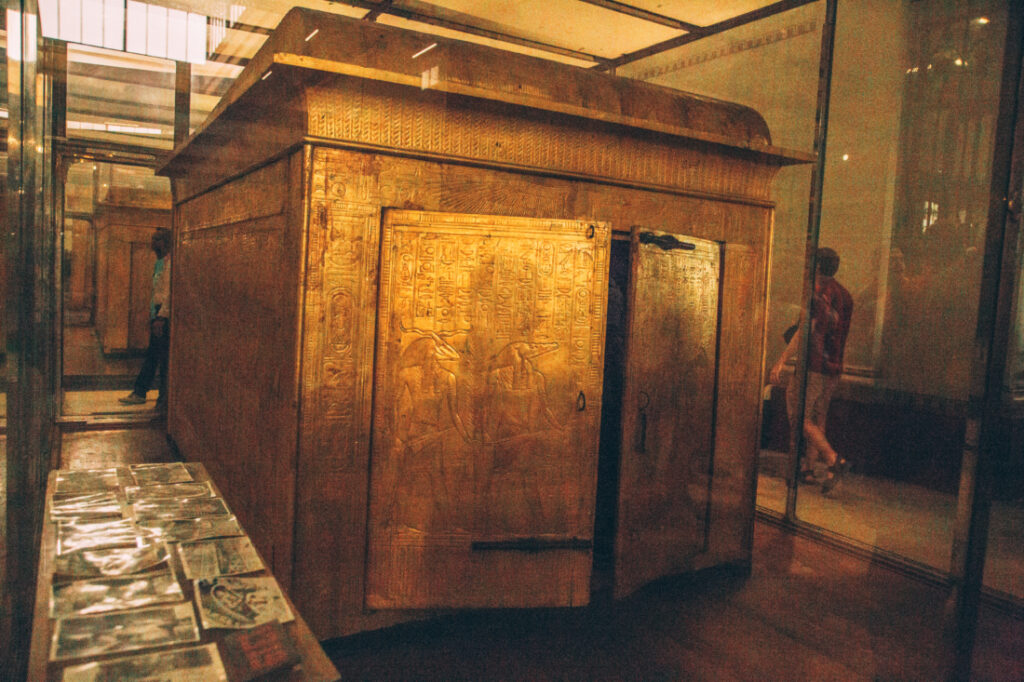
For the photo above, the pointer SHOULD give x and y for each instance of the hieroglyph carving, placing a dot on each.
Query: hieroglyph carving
(343, 233)
(489, 369)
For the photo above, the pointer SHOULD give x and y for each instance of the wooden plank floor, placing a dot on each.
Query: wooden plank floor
(806, 612)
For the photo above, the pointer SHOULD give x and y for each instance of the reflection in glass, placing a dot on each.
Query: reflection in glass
(111, 212)
(771, 66)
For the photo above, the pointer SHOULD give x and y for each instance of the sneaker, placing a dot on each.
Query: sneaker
(132, 398)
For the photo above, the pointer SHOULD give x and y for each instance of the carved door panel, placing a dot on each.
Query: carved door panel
(486, 411)
(667, 406)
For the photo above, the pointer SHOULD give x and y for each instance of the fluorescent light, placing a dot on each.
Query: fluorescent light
(310, 36)
(266, 75)
(425, 50)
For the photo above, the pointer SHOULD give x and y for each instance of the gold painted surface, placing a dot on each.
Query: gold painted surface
(741, 351)
(488, 394)
(384, 115)
(343, 228)
(668, 408)
(454, 87)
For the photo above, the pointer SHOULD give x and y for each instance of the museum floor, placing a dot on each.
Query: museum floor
(807, 611)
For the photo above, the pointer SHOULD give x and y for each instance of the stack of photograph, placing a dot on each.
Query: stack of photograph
(148, 557)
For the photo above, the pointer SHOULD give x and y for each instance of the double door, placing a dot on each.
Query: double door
(488, 389)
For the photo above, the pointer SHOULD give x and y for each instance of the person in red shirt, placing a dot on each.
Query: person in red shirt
(831, 312)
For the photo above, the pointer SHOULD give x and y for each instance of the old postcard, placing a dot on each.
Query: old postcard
(112, 561)
(168, 491)
(86, 481)
(157, 474)
(177, 665)
(80, 636)
(190, 530)
(87, 597)
(85, 505)
(75, 534)
(240, 602)
(188, 508)
(225, 556)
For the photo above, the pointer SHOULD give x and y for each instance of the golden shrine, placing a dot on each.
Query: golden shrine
(421, 278)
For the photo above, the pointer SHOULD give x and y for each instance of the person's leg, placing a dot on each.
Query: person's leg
(819, 395)
(806, 473)
(162, 352)
(145, 378)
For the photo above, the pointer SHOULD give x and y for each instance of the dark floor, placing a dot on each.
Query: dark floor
(806, 612)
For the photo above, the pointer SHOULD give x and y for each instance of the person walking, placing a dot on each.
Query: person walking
(154, 365)
(831, 313)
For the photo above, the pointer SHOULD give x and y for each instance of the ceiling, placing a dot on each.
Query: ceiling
(129, 99)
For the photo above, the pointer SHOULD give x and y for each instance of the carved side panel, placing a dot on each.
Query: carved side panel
(488, 394)
(342, 236)
(667, 406)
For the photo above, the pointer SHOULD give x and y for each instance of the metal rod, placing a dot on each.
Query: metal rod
(995, 309)
(646, 15)
(799, 379)
(182, 101)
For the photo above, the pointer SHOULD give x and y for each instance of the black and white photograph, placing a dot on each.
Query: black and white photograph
(85, 505)
(160, 474)
(240, 602)
(86, 481)
(87, 597)
(167, 491)
(111, 561)
(76, 534)
(190, 530)
(223, 556)
(177, 665)
(188, 508)
(81, 636)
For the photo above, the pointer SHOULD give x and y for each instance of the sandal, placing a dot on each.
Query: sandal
(835, 472)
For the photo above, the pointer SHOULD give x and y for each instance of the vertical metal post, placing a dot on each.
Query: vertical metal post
(28, 326)
(182, 101)
(799, 379)
(995, 306)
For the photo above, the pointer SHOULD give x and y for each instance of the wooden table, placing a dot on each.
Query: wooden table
(314, 666)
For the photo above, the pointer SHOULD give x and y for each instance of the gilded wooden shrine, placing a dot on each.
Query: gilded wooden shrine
(394, 287)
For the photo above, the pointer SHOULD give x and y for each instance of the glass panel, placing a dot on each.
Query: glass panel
(120, 98)
(771, 66)
(111, 213)
(905, 205)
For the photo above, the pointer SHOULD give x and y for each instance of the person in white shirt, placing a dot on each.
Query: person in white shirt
(155, 362)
